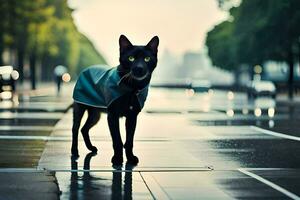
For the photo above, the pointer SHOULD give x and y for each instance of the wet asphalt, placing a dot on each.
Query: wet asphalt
(214, 145)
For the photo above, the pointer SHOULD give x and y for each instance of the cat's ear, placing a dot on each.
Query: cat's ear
(153, 44)
(124, 43)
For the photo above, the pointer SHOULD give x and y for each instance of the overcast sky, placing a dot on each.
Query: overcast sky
(180, 24)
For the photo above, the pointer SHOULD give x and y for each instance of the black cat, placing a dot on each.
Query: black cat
(119, 91)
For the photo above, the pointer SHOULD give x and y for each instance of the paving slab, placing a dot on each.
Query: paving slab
(179, 159)
(20, 153)
(102, 185)
(28, 186)
(208, 185)
(156, 144)
(257, 153)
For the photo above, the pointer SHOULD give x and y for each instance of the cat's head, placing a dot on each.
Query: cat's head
(137, 62)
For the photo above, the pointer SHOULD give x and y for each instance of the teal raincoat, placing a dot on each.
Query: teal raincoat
(98, 87)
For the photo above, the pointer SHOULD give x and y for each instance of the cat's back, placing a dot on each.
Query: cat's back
(86, 90)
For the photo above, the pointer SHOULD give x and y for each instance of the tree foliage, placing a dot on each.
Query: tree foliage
(257, 31)
(43, 32)
(220, 40)
(88, 54)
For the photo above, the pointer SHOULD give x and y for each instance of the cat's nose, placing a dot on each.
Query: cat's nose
(139, 69)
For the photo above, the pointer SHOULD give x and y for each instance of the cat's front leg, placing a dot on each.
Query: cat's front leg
(130, 130)
(113, 123)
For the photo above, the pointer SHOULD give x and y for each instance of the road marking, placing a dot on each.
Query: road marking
(269, 183)
(98, 138)
(23, 137)
(267, 169)
(154, 188)
(109, 169)
(138, 169)
(276, 134)
(32, 115)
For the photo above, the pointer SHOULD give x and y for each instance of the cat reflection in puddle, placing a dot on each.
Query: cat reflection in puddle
(90, 186)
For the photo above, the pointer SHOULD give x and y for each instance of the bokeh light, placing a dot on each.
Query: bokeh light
(66, 77)
(257, 112)
(230, 113)
(230, 95)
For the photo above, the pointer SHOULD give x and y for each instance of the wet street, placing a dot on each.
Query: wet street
(214, 145)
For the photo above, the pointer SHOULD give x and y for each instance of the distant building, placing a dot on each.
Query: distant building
(198, 66)
(166, 67)
(192, 65)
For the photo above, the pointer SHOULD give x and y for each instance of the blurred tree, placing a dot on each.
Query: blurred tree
(226, 4)
(88, 54)
(2, 28)
(221, 48)
(261, 30)
(39, 33)
(8, 15)
(72, 46)
(43, 34)
(269, 30)
(65, 41)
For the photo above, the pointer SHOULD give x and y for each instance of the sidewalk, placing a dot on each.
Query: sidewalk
(179, 158)
(163, 161)
(25, 125)
(176, 162)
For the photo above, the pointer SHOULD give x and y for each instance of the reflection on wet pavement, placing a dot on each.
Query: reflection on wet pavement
(23, 124)
(84, 184)
(191, 146)
(20, 153)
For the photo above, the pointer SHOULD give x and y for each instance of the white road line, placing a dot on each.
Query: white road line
(106, 169)
(273, 133)
(33, 137)
(32, 115)
(138, 169)
(22, 137)
(153, 186)
(268, 169)
(269, 183)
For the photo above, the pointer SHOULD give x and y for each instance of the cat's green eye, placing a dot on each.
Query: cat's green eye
(131, 58)
(147, 59)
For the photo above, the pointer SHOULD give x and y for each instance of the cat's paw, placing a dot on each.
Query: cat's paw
(117, 160)
(93, 149)
(132, 160)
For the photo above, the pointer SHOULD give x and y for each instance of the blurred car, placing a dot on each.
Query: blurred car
(201, 85)
(261, 88)
(8, 77)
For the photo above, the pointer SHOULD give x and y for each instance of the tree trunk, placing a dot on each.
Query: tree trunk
(291, 75)
(236, 74)
(299, 53)
(1, 58)
(21, 64)
(1, 45)
(32, 63)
